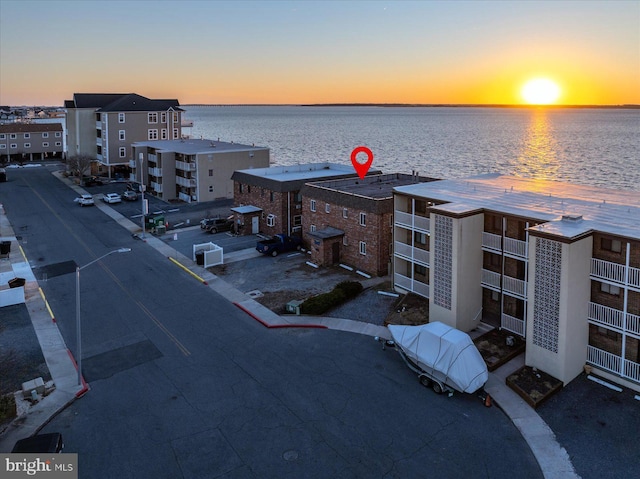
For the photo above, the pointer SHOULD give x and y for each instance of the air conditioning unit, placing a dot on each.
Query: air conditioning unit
(296, 229)
(298, 207)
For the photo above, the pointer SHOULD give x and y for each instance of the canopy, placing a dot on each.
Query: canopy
(443, 352)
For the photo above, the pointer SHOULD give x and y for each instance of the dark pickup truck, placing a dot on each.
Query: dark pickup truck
(279, 244)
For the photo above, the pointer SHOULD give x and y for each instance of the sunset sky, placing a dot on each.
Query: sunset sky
(272, 52)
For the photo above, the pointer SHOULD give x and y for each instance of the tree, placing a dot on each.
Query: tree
(79, 165)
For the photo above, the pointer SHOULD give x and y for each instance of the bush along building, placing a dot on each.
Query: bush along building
(269, 200)
(350, 221)
(555, 263)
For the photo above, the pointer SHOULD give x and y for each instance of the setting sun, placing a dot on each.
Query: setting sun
(540, 91)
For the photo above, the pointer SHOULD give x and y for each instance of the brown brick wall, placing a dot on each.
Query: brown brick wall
(261, 197)
(606, 299)
(490, 308)
(604, 254)
(376, 234)
(492, 262)
(514, 268)
(633, 303)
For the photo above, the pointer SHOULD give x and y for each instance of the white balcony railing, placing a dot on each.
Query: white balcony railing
(607, 270)
(633, 323)
(490, 278)
(606, 315)
(512, 324)
(132, 163)
(98, 141)
(185, 166)
(157, 187)
(402, 281)
(634, 276)
(411, 253)
(152, 158)
(515, 247)
(603, 359)
(421, 288)
(491, 241)
(514, 285)
(188, 182)
(184, 197)
(631, 370)
(414, 222)
(412, 285)
(98, 125)
(132, 177)
(155, 172)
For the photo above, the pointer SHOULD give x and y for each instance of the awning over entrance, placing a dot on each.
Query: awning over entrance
(326, 233)
(243, 210)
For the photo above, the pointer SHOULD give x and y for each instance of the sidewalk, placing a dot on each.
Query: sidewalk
(551, 457)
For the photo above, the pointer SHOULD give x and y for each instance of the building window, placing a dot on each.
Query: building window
(345, 213)
(495, 296)
(271, 220)
(57, 134)
(27, 145)
(153, 135)
(163, 133)
(15, 145)
(420, 270)
(210, 188)
(297, 220)
(210, 172)
(363, 248)
(297, 197)
(163, 117)
(45, 135)
(120, 117)
(420, 238)
(58, 143)
(13, 136)
(610, 289)
(363, 219)
(3, 146)
(44, 145)
(313, 205)
(313, 228)
(152, 117)
(611, 245)
(27, 136)
(122, 151)
(3, 136)
(175, 116)
(175, 134)
(121, 135)
(240, 189)
(327, 208)
(271, 196)
(345, 242)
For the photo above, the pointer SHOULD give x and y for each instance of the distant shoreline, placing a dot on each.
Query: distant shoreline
(424, 105)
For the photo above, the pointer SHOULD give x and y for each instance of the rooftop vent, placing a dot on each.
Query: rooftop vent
(572, 218)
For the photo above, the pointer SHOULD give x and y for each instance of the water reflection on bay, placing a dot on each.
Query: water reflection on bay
(538, 157)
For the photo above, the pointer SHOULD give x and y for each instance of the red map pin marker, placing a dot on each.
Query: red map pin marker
(361, 168)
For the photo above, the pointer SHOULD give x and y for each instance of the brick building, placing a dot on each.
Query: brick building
(554, 262)
(269, 201)
(350, 220)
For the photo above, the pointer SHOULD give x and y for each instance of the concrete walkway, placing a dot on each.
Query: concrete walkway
(552, 458)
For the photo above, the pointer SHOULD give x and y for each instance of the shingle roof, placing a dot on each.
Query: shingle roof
(106, 102)
(29, 127)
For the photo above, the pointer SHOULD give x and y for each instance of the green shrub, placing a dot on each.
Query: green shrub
(322, 303)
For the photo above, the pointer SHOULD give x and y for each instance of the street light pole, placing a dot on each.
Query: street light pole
(142, 188)
(78, 329)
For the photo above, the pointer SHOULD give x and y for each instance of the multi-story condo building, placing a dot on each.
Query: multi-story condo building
(30, 141)
(269, 201)
(105, 125)
(350, 220)
(192, 170)
(556, 263)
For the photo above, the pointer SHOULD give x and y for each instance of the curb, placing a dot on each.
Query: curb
(278, 326)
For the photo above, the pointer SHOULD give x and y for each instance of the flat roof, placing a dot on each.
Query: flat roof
(193, 146)
(610, 211)
(306, 172)
(374, 186)
(243, 210)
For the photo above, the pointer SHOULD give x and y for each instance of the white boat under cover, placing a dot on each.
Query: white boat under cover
(443, 352)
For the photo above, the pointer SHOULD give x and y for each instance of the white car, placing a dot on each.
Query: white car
(112, 198)
(84, 200)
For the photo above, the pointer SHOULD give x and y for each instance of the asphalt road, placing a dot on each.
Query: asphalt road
(183, 384)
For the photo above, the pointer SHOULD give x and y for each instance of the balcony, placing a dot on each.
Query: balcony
(491, 241)
(152, 158)
(412, 285)
(515, 247)
(410, 253)
(157, 187)
(185, 166)
(513, 324)
(409, 221)
(187, 182)
(614, 318)
(98, 125)
(613, 363)
(634, 277)
(608, 270)
(132, 163)
(491, 279)
(184, 197)
(155, 172)
(514, 286)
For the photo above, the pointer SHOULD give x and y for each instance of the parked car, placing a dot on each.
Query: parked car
(112, 198)
(134, 186)
(84, 200)
(92, 181)
(279, 244)
(40, 443)
(130, 195)
(216, 225)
